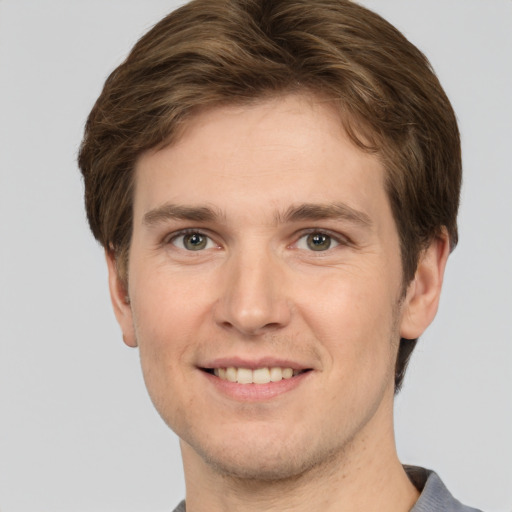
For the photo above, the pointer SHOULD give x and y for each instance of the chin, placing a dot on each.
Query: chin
(266, 460)
(263, 469)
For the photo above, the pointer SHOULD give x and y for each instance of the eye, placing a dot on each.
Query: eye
(193, 241)
(317, 241)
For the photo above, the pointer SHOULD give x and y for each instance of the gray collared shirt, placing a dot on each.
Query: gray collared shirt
(434, 496)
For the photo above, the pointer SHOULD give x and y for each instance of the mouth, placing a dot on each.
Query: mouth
(263, 375)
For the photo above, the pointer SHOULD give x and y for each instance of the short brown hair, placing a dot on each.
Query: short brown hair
(214, 52)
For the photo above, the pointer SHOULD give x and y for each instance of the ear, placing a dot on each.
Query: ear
(423, 293)
(120, 300)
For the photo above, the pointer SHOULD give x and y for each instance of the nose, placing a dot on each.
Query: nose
(253, 299)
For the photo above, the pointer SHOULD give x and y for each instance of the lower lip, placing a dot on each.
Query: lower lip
(256, 392)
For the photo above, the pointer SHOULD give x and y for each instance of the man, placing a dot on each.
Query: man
(276, 187)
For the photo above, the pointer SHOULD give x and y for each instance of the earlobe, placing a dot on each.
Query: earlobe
(422, 298)
(120, 301)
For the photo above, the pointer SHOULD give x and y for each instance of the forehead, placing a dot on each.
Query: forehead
(284, 150)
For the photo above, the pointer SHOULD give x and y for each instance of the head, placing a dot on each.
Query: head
(244, 52)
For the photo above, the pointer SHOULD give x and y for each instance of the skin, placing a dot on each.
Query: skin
(258, 292)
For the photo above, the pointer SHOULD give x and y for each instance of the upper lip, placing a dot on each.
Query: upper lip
(252, 364)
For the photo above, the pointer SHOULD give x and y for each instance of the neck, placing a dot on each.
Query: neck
(367, 475)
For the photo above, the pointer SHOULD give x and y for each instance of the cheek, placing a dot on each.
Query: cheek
(164, 353)
(168, 317)
(354, 318)
(163, 321)
(166, 304)
(171, 311)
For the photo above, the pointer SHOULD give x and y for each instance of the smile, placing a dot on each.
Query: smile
(262, 375)
(251, 381)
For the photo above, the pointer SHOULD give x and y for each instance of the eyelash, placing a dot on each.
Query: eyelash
(340, 240)
(170, 239)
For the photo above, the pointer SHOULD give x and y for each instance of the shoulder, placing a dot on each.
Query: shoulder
(181, 507)
(434, 496)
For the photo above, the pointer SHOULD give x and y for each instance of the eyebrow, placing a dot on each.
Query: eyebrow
(301, 212)
(313, 211)
(170, 211)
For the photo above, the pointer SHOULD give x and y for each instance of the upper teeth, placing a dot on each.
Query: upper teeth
(257, 376)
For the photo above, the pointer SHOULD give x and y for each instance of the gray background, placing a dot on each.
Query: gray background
(77, 430)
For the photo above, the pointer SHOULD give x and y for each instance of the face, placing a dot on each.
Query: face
(264, 284)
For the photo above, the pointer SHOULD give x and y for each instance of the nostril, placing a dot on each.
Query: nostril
(251, 329)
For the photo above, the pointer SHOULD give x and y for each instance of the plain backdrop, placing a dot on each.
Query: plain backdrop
(77, 430)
